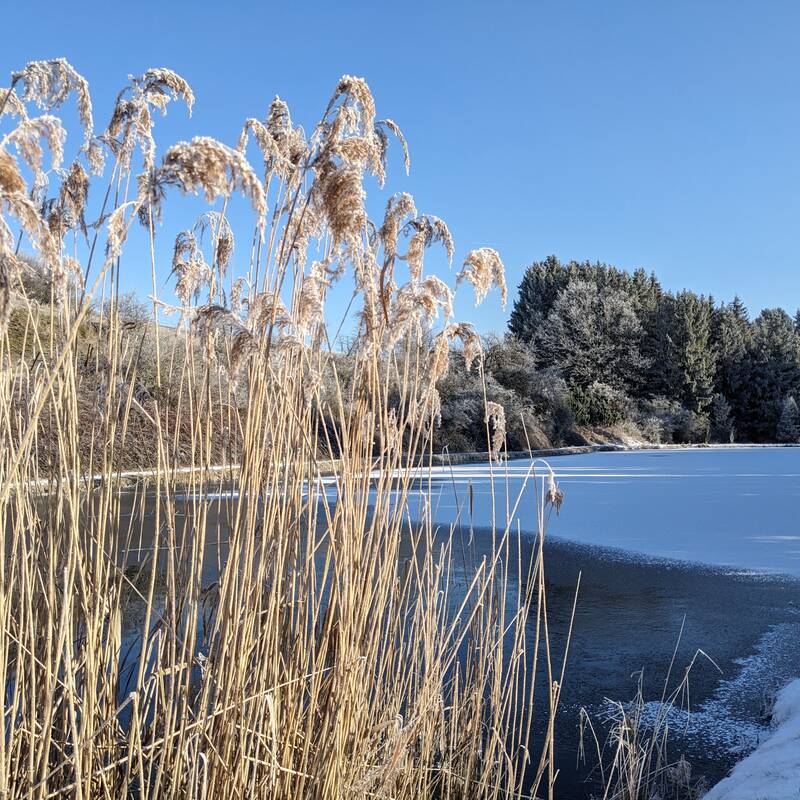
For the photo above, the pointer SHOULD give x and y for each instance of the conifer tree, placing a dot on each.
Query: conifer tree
(788, 430)
(720, 427)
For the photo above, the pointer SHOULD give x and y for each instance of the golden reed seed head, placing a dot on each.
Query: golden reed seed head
(260, 133)
(117, 229)
(339, 195)
(439, 359)
(265, 309)
(160, 84)
(484, 269)
(27, 137)
(204, 163)
(11, 103)
(48, 84)
(417, 302)
(359, 92)
(496, 419)
(190, 268)
(470, 340)
(11, 181)
(74, 192)
(399, 207)
(96, 157)
(310, 306)
(393, 128)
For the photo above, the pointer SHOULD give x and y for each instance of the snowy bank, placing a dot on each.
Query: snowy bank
(772, 770)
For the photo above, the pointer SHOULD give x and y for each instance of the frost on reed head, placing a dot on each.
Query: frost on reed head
(484, 269)
(49, 83)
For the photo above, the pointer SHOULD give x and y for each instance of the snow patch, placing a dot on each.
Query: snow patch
(772, 770)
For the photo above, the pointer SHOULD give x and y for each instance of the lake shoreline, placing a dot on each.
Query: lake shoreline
(634, 612)
(182, 476)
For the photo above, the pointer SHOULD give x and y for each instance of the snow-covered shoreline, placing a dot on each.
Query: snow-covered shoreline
(772, 770)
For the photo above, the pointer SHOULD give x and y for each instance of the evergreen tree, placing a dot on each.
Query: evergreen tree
(773, 372)
(593, 336)
(788, 430)
(663, 376)
(720, 428)
(541, 285)
(733, 339)
(694, 353)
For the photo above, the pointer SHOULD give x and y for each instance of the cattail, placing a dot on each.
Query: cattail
(496, 419)
(207, 164)
(48, 84)
(484, 269)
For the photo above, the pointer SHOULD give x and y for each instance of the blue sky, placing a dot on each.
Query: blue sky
(661, 135)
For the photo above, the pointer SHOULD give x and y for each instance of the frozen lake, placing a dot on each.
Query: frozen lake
(638, 527)
(734, 508)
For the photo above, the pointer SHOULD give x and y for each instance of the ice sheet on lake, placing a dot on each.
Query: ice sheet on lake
(733, 508)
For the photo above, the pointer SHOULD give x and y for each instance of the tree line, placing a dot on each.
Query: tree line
(630, 350)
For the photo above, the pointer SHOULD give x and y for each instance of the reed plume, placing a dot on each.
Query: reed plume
(49, 83)
(206, 164)
(484, 269)
(496, 420)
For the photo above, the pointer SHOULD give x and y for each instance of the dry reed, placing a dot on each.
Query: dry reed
(297, 641)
